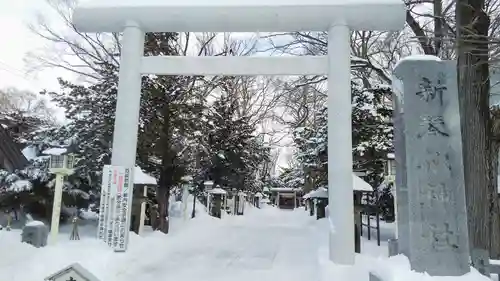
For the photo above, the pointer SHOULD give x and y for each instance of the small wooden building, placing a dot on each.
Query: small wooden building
(286, 198)
(142, 182)
(360, 188)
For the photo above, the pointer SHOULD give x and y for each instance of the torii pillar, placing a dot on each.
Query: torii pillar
(134, 18)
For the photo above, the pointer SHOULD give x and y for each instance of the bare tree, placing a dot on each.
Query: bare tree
(474, 87)
(15, 101)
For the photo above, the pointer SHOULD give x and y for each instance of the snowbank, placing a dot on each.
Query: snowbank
(374, 259)
(395, 268)
(398, 269)
(94, 255)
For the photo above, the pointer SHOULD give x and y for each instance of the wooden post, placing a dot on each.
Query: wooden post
(225, 203)
(378, 228)
(295, 200)
(361, 225)
(209, 211)
(357, 239)
(369, 226)
(357, 222)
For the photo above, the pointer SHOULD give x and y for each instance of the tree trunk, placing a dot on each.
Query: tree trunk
(473, 86)
(495, 203)
(162, 196)
(166, 176)
(193, 214)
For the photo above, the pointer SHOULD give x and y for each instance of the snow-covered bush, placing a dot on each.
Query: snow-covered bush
(32, 189)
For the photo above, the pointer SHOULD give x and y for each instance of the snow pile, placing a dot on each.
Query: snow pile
(358, 184)
(20, 185)
(95, 255)
(374, 259)
(217, 190)
(264, 244)
(398, 269)
(30, 152)
(89, 215)
(142, 178)
(417, 58)
(318, 193)
(395, 268)
(55, 151)
(34, 223)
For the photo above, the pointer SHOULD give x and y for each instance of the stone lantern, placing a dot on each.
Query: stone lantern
(390, 168)
(61, 164)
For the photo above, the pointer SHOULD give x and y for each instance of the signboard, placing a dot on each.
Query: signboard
(74, 272)
(104, 203)
(115, 210)
(122, 209)
(111, 202)
(118, 187)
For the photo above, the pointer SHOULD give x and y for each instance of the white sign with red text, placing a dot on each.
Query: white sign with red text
(115, 206)
(124, 195)
(104, 203)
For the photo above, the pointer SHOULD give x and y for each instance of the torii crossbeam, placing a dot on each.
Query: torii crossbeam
(338, 17)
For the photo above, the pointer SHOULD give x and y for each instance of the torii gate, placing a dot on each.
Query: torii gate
(338, 17)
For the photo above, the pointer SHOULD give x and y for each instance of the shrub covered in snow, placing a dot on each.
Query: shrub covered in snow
(32, 189)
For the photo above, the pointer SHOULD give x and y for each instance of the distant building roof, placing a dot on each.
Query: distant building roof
(11, 157)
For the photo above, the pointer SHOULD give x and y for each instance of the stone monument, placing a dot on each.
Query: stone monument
(438, 236)
(401, 198)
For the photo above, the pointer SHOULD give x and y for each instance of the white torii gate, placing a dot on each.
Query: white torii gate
(338, 17)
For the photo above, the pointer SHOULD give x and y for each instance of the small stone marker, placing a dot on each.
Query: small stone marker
(393, 247)
(9, 222)
(74, 272)
(480, 260)
(438, 219)
(35, 233)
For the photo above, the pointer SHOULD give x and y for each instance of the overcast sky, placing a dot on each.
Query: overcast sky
(17, 41)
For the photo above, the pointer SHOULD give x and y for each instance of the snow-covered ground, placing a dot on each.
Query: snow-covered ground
(264, 244)
(267, 244)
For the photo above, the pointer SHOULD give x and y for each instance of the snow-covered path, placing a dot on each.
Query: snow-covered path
(266, 244)
(263, 245)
